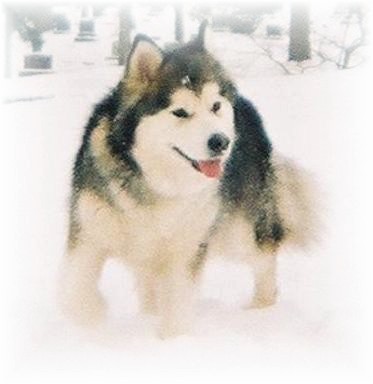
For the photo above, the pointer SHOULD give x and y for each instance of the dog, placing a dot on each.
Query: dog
(173, 163)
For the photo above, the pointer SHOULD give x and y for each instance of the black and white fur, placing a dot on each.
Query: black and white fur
(138, 192)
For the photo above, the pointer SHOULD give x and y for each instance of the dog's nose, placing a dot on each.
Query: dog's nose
(218, 143)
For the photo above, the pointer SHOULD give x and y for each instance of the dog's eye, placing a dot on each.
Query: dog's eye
(181, 113)
(216, 106)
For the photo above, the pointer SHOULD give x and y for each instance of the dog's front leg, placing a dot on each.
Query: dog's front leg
(78, 292)
(147, 290)
(176, 299)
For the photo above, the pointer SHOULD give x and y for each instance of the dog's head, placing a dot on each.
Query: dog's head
(182, 101)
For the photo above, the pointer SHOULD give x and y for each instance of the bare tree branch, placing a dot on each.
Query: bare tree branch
(267, 51)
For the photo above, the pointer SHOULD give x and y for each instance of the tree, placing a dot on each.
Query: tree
(31, 22)
(350, 44)
(8, 37)
(179, 23)
(125, 27)
(299, 43)
(344, 44)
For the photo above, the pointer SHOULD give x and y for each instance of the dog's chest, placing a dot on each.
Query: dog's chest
(138, 232)
(166, 219)
(171, 229)
(171, 226)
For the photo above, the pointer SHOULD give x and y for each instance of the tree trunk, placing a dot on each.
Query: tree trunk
(125, 27)
(8, 43)
(299, 44)
(179, 23)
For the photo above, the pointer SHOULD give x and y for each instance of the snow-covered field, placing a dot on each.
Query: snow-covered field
(318, 332)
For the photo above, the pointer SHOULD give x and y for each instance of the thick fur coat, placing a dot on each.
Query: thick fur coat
(174, 163)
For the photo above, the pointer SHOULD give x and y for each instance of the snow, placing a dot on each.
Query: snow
(319, 329)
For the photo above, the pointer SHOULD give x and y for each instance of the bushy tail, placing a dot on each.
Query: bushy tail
(298, 202)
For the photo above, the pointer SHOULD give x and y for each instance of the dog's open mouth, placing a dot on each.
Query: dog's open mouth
(211, 168)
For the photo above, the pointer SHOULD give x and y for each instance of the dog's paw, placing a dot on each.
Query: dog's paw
(149, 308)
(170, 331)
(259, 302)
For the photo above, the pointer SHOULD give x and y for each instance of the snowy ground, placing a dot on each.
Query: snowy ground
(317, 330)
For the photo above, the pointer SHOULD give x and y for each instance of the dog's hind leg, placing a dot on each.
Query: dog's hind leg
(265, 286)
(79, 295)
(235, 237)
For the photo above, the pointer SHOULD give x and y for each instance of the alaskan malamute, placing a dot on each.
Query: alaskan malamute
(173, 162)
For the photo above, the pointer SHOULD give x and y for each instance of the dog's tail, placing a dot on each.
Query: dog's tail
(298, 202)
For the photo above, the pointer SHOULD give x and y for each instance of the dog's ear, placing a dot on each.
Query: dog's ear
(144, 60)
(204, 37)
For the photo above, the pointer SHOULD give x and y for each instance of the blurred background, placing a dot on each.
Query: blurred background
(270, 37)
(305, 67)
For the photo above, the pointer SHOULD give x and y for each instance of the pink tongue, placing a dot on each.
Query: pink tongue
(210, 168)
